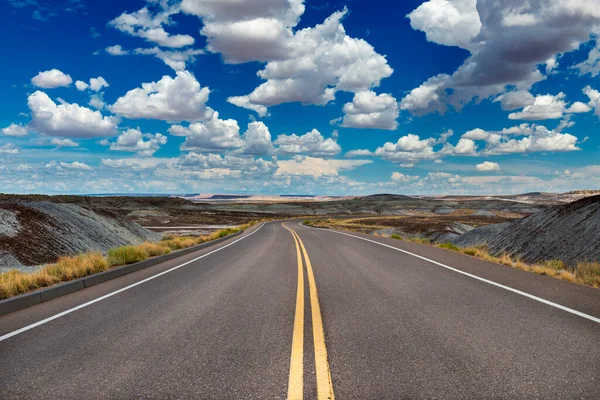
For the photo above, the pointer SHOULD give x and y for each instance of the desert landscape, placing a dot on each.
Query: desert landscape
(37, 229)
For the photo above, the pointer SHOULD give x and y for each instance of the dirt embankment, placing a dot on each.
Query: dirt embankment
(34, 233)
(569, 232)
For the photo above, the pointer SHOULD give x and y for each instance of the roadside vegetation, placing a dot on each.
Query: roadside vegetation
(15, 282)
(585, 273)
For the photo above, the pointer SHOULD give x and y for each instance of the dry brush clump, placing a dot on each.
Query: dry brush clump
(15, 282)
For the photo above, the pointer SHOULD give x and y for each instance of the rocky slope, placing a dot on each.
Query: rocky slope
(33, 233)
(569, 232)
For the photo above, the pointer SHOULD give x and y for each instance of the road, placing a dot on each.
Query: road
(298, 312)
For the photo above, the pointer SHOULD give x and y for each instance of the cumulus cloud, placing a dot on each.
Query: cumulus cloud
(244, 102)
(544, 107)
(515, 99)
(513, 39)
(451, 23)
(594, 96)
(58, 142)
(132, 140)
(116, 50)
(51, 79)
(149, 25)
(244, 31)
(369, 110)
(316, 167)
(537, 138)
(16, 130)
(75, 165)
(312, 143)
(213, 134)
(9, 148)
(257, 139)
(96, 84)
(488, 166)
(592, 64)
(170, 99)
(67, 120)
(464, 147)
(408, 148)
(359, 153)
(402, 178)
(176, 59)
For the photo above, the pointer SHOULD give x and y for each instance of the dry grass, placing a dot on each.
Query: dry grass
(15, 282)
(126, 255)
(586, 273)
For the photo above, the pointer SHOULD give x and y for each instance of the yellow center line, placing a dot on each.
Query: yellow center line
(295, 382)
(324, 384)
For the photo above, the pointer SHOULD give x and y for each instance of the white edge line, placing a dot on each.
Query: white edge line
(530, 296)
(106, 296)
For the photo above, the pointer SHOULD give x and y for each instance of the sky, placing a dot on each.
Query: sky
(299, 96)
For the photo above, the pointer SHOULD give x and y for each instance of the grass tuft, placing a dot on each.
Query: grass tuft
(396, 236)
(588, 273)
(126, 255)
(448, 246)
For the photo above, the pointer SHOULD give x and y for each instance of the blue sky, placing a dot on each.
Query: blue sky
(293, 96)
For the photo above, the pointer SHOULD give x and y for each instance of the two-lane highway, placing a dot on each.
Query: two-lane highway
(292, 311)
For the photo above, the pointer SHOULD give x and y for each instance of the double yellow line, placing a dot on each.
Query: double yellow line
(295, 383)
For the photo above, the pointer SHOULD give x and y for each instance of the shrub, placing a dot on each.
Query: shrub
(395, 236)
(472, 251)
(126, 255)
(588, 273)
(556, 265)
(448, 246)
(154, 249)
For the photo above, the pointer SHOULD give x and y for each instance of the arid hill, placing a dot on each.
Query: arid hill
(569, 232)
(33, 233)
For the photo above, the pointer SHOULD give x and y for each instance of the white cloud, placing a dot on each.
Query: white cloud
(427, 98)
(464, 147)
(257, 139)
(359, 153)
(578, 107)
(132, 140)
(67, 120)
(311, 143)
(451, 23)
(316, 167)
(487, 166)
(9, 148)
(16, 130)
(214, 134)
(75, 165)
(96, 84)
(544, 107)
(592, 64)
(138, 164)
(594, 96)
(244, 102)
(176, 59)
(149, 26)
(58, 142)
(537, 139)
(245, 31)
(409, 148)
(514, 39)
(369, 110)
(116, 50)
(476, 134)
(81, 85)
(400, 177)
(51, 79)
(515, 99)
(170, 99)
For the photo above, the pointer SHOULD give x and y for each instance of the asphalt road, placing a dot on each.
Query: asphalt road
(349, 317)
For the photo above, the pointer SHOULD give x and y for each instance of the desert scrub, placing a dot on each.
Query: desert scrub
(448, 246)
(126, 255)
(395, 236)
(588, 273)
(15, 282)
